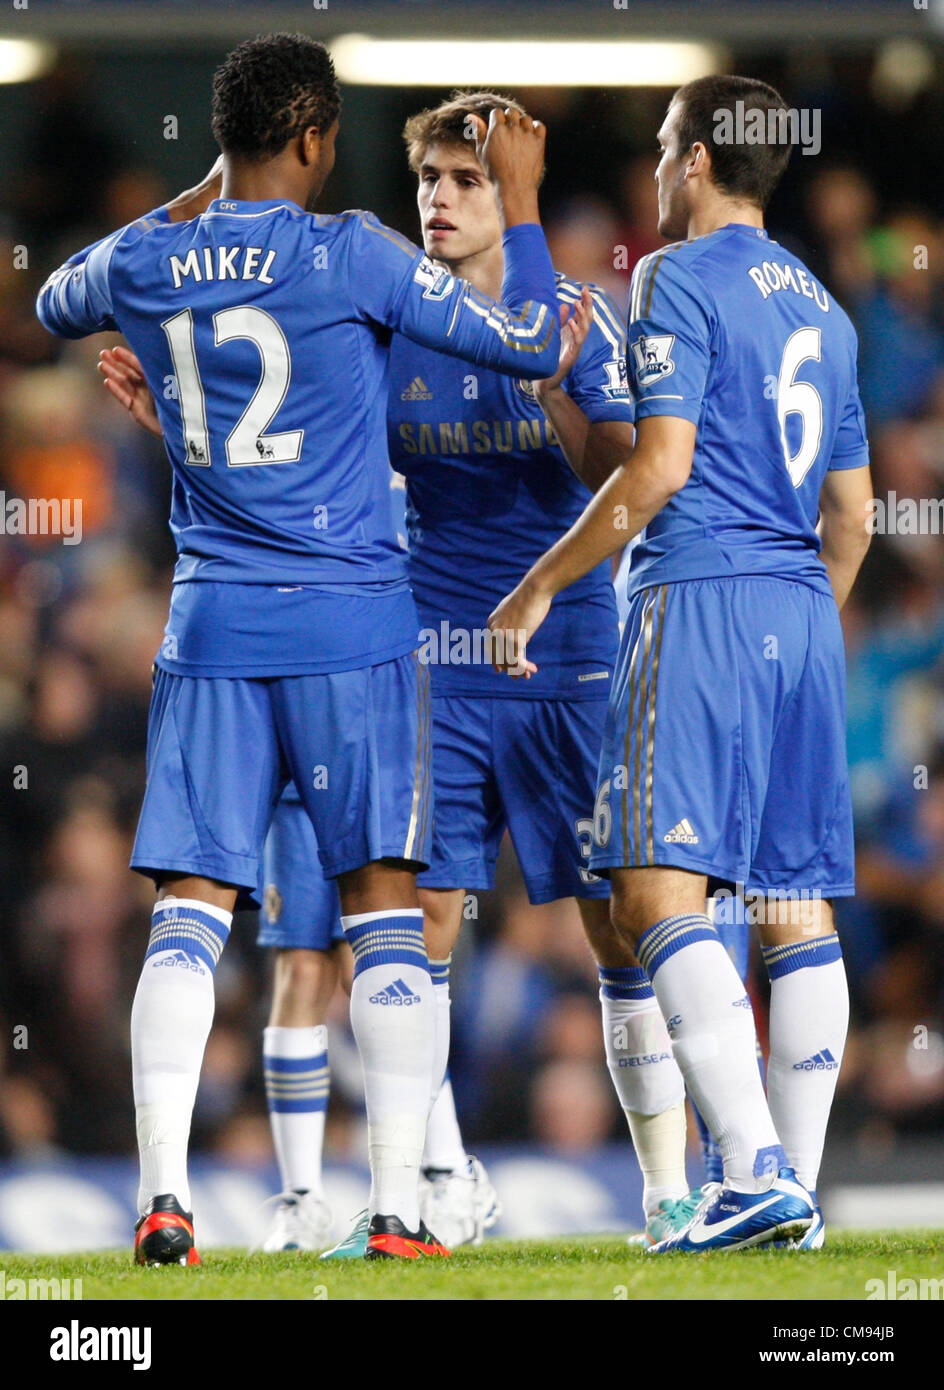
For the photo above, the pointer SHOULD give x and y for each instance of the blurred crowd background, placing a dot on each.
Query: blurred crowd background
(79, 626)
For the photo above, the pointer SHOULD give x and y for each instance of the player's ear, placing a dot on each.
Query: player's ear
(699, 160)
(309, 145)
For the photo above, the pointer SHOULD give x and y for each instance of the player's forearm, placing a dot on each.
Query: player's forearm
(591, 451)
(517, 205)
(844, 546)
(635, 493)
(571, 427)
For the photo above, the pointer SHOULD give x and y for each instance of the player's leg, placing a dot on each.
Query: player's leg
(809, 1018)
(547, 752)
(671, 813)
(442, 922)
(171, 1017)
(809, 1000)
(301, 918)
(660, 911)
(726, 911)
(645, 1075)
(366, 732)
(457, 1200)
(209, 796)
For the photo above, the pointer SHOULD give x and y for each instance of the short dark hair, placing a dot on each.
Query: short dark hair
(269, 90)
(750, 172)
(445, 124)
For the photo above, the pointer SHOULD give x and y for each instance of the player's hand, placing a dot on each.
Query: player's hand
(511, 151)
(575, 325)
(124, 378)
(514, 622)
(194, 201)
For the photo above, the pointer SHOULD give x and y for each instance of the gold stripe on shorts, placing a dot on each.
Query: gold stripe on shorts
(634, 681)
(651, 721)
(418, 771)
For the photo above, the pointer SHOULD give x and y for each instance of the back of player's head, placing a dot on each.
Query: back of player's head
(269, 90)
(448, 123)
(749, 172)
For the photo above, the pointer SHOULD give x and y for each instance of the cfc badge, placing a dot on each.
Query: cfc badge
(272, 902)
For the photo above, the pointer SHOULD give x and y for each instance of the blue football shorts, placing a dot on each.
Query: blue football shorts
(521, 764)
(725, 744)
(219, 751)
(301, 909)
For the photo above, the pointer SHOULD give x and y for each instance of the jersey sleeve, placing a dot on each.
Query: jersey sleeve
(851, 446)
(671, 325)
(76, 299)
(598, 381)
(395, 284)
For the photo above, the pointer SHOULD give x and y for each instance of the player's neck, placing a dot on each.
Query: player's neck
(721, 212)
(485, 270)
(261, 183)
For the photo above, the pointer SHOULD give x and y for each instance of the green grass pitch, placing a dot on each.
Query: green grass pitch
(594, 1268)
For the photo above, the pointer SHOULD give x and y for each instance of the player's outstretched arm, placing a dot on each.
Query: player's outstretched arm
(124, 379)
(658, 467)
(845, 508)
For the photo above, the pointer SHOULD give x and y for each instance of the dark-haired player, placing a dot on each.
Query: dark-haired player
(290, 645)
(724, 754)
(495, 470)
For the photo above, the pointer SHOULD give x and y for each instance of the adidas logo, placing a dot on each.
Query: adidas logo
(820, 1061)
(682, 834)
(182, 959)
(398, 993)
(417, 391)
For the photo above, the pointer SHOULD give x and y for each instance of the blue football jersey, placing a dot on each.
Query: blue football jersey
(488, 491)
(734, 333)
(264, 333)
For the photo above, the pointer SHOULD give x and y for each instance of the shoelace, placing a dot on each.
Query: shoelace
(361, 1223)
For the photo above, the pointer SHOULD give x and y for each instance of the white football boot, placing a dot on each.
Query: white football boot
(300, 1222)
(460, 1206)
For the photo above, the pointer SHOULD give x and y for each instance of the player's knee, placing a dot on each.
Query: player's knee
(299, 976)
(442, 920)
(627, 925)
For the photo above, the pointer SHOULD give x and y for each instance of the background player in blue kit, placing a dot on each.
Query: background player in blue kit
(724, 754)
(290, 645)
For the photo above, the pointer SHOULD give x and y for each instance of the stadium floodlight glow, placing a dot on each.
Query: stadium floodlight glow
(358, 58)
(22, 60)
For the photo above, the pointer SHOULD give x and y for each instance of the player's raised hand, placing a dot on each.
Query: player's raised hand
(575, 325)
(511, 151)
(513, 623)
(124, 378)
